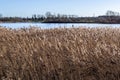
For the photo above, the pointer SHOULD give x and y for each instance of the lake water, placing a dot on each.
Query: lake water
(55, 25)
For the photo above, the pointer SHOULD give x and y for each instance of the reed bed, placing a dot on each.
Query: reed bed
(60, 54)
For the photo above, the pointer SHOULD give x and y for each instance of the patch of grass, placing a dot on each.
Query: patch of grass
(60, 54)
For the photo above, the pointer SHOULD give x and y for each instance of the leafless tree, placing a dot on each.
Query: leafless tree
(112, 13)
(0, 15)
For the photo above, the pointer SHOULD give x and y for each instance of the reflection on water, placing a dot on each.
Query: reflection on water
(55, 25)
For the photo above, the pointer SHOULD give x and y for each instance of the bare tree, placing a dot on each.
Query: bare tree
(34, 16)
(48, 14)
(0, 15)
(112, 13)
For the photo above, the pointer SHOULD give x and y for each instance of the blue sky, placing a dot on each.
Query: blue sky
(26, 8)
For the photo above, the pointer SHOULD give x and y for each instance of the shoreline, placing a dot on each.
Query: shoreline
(63, 22)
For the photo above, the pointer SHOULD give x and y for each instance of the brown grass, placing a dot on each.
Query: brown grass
(60, 54)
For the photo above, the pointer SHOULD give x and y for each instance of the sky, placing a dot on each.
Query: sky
(26, 8)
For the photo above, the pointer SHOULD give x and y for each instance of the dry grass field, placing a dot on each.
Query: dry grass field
(60, 54)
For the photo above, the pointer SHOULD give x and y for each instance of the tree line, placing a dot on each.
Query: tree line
(48, 17)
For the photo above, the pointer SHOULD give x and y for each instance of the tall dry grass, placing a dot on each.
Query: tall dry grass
(60, 54)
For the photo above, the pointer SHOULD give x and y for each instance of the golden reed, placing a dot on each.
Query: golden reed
(60, 54)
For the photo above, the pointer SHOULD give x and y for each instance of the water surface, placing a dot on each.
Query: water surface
(56, 25)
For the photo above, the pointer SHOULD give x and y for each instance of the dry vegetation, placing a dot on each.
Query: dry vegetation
(60, 54)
